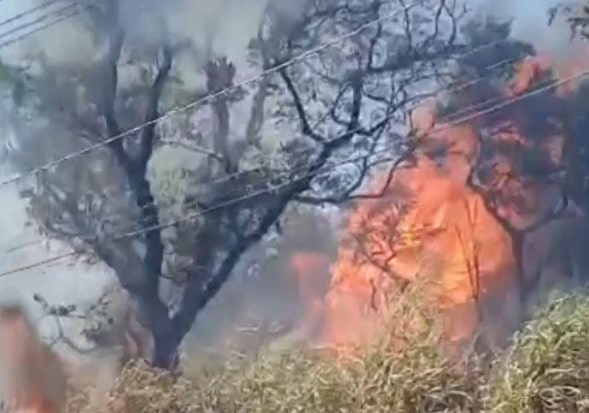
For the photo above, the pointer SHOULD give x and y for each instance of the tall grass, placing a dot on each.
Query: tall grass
(546, 369)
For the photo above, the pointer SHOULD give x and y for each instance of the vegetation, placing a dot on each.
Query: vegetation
(544, 370)
(547, 367)
(229, 179)
(178, 203)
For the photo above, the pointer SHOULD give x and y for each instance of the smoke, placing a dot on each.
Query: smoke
(221, 27)
(530, 25)
(62, 42)
(224, 26)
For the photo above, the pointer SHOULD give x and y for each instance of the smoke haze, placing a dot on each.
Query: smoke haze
(530, 19)
(228, 25)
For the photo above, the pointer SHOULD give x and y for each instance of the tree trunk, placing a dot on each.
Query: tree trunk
(165, 354)
(153, 314)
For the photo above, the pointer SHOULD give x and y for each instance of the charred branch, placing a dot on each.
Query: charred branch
(349, 195)
(141, 187)
(257, 111)
(517, 235)
(256, 118)
(56, 313)
(300, 109)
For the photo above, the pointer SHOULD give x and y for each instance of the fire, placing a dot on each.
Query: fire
(444, 233)
(309, 268)
(34, 379)
(434, 223)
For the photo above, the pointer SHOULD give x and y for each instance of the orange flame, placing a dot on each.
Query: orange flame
(432, 223)
(445, 226)
(309, 267)
(34, 378)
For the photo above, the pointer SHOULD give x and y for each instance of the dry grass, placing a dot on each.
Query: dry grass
(547, 367)
(545, 370)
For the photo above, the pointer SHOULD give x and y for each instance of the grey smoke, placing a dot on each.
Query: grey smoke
(530, 18)
(227, 25)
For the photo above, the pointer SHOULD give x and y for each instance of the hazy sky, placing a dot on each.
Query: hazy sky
(530, 19)
(234, 22)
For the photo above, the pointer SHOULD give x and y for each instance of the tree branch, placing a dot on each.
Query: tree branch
(220, 75)
(152, 112)
(348, 196)
(257, 112)
(198, 294)
(142, 282)
(302, 114)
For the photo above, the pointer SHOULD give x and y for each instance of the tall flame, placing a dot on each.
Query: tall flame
(444, 232)
(432, 223)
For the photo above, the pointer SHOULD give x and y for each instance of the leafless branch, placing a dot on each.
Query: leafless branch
(298, 103)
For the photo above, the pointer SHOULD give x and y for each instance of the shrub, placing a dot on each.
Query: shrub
(546, 369)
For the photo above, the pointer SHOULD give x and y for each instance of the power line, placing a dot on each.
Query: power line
(309, 151)
(181, 109)
(474, 50)
(237, 200)
(32, 10)
(35, 22)
(38, 29)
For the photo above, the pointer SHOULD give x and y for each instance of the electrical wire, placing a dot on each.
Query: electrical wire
(132, 234)
(208, 98)
(34, 22)
(309, 151)
(40, 28)
(32, 10)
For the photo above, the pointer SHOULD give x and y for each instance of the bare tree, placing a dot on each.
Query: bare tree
(344, 102)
